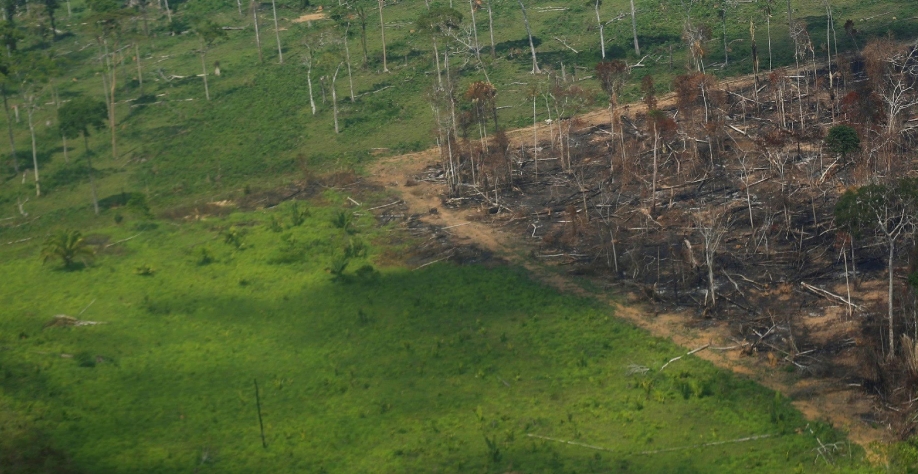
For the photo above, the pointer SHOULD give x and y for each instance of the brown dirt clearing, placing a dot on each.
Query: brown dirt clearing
(817, 397)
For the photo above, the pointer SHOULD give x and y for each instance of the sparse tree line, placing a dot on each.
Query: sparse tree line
(730, 197)
(120, 29)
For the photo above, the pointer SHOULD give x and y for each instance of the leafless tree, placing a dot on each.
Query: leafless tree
(535, 63)
(712, 224)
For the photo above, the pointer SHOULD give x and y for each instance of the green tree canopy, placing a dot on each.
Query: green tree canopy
(439, 20)
(858, 210)
(843, 139)
(209, 32)
(78, 116)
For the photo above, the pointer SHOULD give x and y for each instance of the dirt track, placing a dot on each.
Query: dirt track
(818, 398)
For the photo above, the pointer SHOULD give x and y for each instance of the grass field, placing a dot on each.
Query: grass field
(384, 369)
(443, 369)
(258, 128)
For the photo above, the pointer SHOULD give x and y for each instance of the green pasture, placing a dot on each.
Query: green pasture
(379, 369)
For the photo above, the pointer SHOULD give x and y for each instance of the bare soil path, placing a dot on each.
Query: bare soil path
(846, 407)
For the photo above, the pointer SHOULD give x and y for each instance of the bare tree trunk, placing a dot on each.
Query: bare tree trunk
(168, 11)
(891, 267)
(602, 39)
(724, 24)
(239, 5)
(347, 57)
(261, 58)
(312, 102)
(653, 192)
(280, 52)
(139, 70)
(437, 61)
(768, 29)
(535, 64)
(790, 18)
(637, 47)
(34, 147)
(92, 180)
(382, 33)
(111, 111)
(452, 100)
(535, 138)
(9, 126)
(204, 70)
(110, 95)
(335, 97)
(475, 31)
(491, 30)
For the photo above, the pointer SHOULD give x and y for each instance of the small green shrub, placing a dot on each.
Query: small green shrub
(144, 270)
(297, 215)
(338, 264)
(275, 224)
(343, 220)
(234, 236)
(355, 248)
(85, 359)
(203, 256)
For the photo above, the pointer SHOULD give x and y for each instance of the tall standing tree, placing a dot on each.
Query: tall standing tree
(106, 20)
(280, 52)
(50, 7)
(208, 32)
(535, 63)
(77, 118)
(612, 75)
(382, 33)
(889, 212)
(637, 47)
(7, 83)
(599, 24)
(254, 8)
(491, 29)
(35, 70)
(438, 22)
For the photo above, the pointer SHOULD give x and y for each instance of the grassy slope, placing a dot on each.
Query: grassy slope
(258, 129)
(402, 372)
(398, 390)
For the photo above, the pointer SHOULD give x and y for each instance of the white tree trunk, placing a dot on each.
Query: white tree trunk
(347, 57)
(475, 30)
(261, 59)
(280, 52)
(335, 97)
(139, 70)
(382, 33)
(491, 30)
(34, 147)
(602, 39)
(312, 102)
(535, 63)
(891, 266)
(637, 47)
(204, 70)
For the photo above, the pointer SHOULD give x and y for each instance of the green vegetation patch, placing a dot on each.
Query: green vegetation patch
(447, 368)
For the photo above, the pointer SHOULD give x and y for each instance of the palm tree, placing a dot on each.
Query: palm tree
(67, 245)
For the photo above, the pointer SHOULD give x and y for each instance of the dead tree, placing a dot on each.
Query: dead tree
(535, 63)
(712, 224)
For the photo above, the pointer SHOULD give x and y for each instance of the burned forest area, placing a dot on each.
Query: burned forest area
(774, 205)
